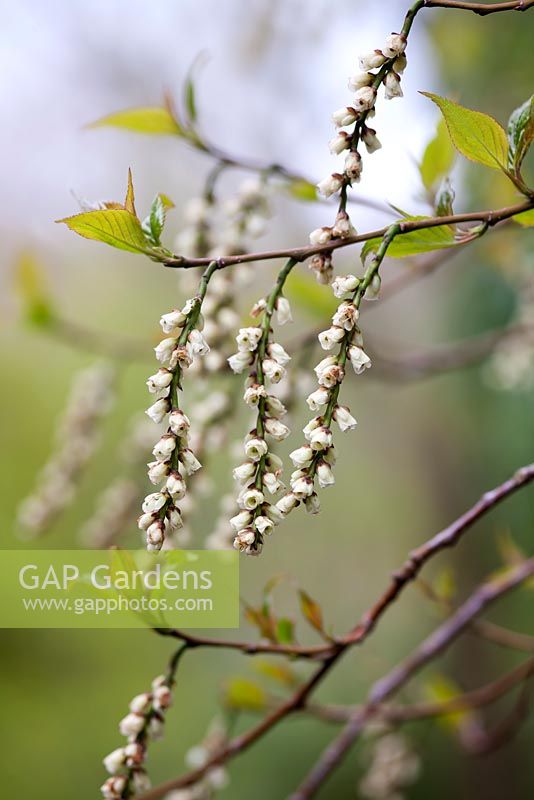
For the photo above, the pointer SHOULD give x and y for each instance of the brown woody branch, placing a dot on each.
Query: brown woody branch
(432, 647)
(490, 218)
(482, 9)
(446, 538)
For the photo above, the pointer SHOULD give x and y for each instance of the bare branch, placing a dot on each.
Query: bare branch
(432, 647)
(491, 218)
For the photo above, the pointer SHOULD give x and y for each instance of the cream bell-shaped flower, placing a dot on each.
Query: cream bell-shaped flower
(364, 99)
(344, 116)
(283, 311)
(164, 447)
(272, 370)
(321, 236)
(353, 166)
(255, 448)
(247, 339)
(346, 315)
(276, 429)
(330, 338)
(330, 185)
(159, 410)
(164, 349)
(361, 79)
(372, 60)
(254, 393)
(344, 284)
(179, 422)
(171, 321)
(251, 499)
(359, 359)
(344, 418)
(318, 398)
(160, 380)
(395, 45)
(241, 520)
(240, 361)
(338, 143)
(277, 352)
(392, 86)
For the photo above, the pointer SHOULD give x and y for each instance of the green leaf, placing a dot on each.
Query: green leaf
(311, 611)
(438, 158)
(153, 224)
(301, 189)
(410, 244)
(153, 120)
(285, 631)
(520, 134)
(526, 218)
(31, 286)
(244, 694)
(116, 227)
(277, 671)
(477, 136)
(441, 689)
(445, 200)
(129, 202)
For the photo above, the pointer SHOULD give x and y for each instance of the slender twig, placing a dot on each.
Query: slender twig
(476, 698)
(431, 647)
(482, 9)
(491, 218)
(446, 538)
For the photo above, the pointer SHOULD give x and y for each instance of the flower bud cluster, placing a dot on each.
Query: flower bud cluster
(315, 459)
(259, 475)
(145, 721)
(77, 437)
(174, 460)
(390, 63)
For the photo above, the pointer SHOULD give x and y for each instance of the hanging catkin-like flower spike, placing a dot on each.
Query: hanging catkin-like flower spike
(315, 459)
(258, 476)
(389, 63)
(143, 723)
(174, 460)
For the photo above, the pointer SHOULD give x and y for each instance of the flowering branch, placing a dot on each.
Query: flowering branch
(446, 538)
(299, 254)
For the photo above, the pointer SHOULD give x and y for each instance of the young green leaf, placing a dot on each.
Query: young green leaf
(311, 611)
(153, 224)
(154, 120)
(438, 158)
(526, 218)
(477, 136)
(129, 202)
(31, 285)
(520, 134)
(285, 631)
(116, 227)
(244, 694)
(410, 244)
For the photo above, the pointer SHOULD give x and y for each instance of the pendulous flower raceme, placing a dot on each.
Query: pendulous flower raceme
(259, 475)
(379, 68)
(174, 460)
(144, 722)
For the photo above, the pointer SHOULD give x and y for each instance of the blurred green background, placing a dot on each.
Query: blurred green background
(423, 451)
